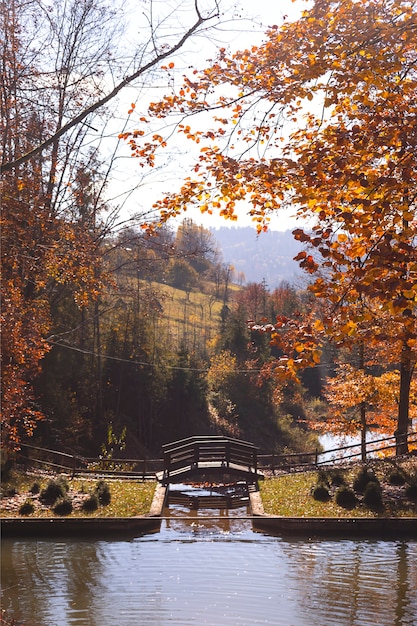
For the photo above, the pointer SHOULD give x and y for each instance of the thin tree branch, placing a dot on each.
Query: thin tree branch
(10, 165)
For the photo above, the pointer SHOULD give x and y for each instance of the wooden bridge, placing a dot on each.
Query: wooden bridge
(198, 456)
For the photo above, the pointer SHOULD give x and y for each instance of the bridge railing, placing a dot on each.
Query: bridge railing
(206, 452)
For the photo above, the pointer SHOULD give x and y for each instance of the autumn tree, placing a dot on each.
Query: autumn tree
(286, 300)
(196, 244)
(253, 299)
(321, 117)
(63, 66)
(42, 247)
(362, 401)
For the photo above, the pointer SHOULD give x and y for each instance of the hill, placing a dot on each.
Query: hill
(266, 257)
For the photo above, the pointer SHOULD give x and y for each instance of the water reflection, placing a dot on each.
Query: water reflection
(209, 567)
(354, 582)
(194, 523)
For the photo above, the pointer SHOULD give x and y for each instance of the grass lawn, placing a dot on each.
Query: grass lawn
(127, 497)
(291, 494)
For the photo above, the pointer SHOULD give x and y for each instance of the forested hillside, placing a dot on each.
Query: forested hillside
(268, 256)
(166, 353)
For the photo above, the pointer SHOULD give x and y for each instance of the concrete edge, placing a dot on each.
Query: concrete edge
(158, 501)
(256, 504)
(375, 528)
(134, 526)
(331, 526)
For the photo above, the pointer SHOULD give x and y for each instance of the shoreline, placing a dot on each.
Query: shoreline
(346, 527)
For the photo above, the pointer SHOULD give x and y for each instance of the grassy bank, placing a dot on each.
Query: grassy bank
(123, 498)
(314, 494)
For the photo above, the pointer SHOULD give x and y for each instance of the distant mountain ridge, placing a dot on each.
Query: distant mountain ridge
(266, 257)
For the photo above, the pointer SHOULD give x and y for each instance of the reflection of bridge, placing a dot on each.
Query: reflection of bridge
(198, 456)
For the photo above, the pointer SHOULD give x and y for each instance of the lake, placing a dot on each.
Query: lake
(209, 567)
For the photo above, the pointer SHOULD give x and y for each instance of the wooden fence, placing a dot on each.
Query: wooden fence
(385, 446)
(145, 469)
(219, 450)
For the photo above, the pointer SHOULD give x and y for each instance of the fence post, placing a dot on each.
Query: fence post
(227, 453)
(196, 455)
(167, 465)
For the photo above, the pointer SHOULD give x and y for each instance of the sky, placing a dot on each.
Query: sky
(245, 26)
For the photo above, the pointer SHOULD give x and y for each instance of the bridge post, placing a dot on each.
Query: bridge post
(196, 455)
(167, 465)
(227, 451)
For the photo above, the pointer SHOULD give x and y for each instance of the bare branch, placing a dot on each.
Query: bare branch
(8, 166)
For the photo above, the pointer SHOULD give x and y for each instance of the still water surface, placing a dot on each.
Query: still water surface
(218, 572)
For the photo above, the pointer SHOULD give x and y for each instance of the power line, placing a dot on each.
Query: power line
(135, 362)
(154, 365)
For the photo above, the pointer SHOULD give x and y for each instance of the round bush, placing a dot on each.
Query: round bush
(63, 506)
(321, 493)
(396, 478)
(90, 504)
(27, 508)
(103, 492)
(364, 477)
(373, 495)
(54, 489)
(35, 488)
(345, 497)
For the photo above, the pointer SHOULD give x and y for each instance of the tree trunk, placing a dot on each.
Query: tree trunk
(363, 431)
(406, 369)
(363, 404)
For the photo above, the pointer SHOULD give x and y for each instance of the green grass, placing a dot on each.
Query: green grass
(128, 498)
(290, 496)
(193, 315)
(196, 314)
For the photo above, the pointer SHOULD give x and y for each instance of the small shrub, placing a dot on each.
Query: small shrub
(411, 490)
(373, 495)
(54, 490)
(364, 477)
(396, 478)
(90, 504)
(35, 488)
(27, 508)
(321, 493)
(103, 492)
(63, 506)
(345, 497)
(9, 491)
